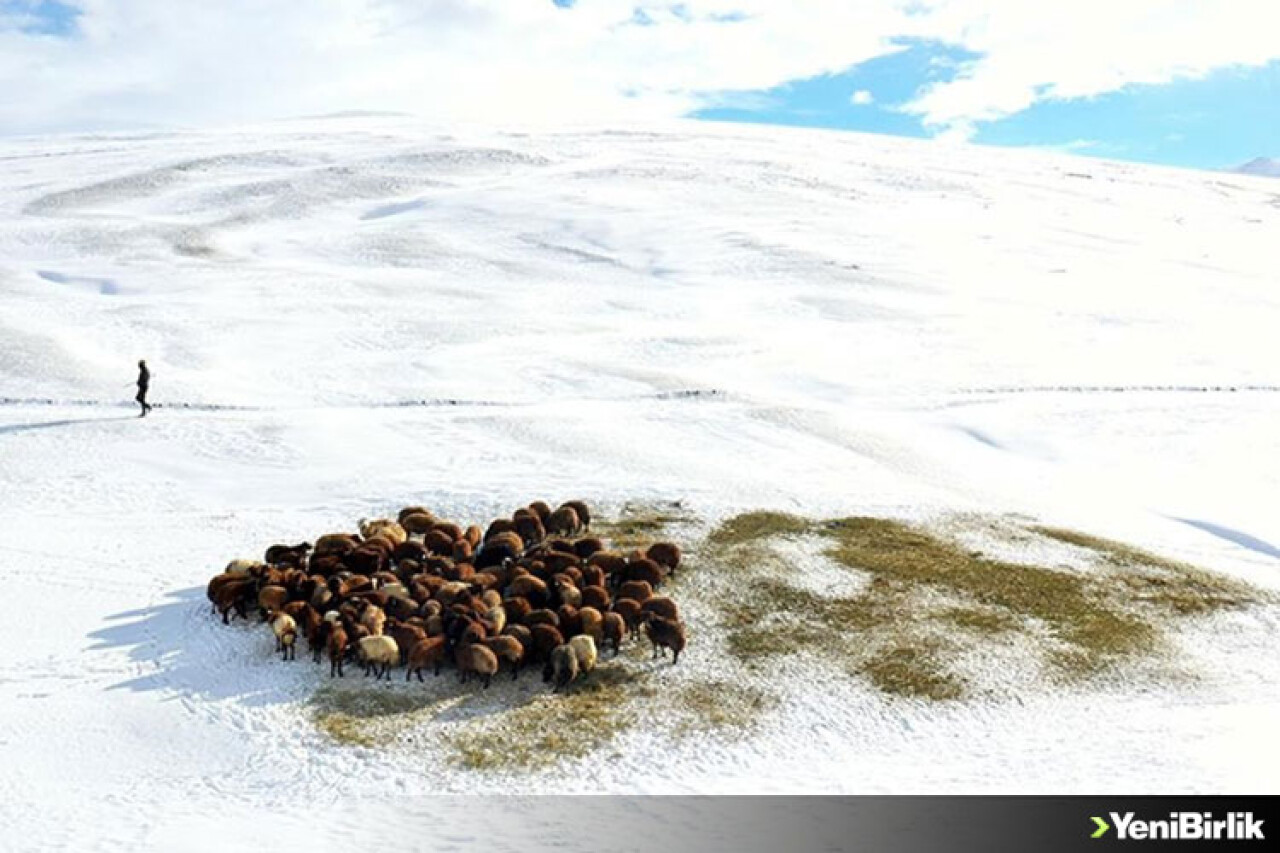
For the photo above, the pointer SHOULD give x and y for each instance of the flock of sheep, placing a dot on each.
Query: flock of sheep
(420, 591)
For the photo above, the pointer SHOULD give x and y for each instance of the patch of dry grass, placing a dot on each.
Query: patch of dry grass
(553, 727)
(894, 632)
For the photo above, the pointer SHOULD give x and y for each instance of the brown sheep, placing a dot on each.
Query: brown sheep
(639, 591)
(288, 555)
(542, 617)
(584, 548)
(463, 551)
(666, 554)
(564, 522)
(664, 634)
(473, 536)
(662, 606)
(593, 576)
(580, 509)
(597, 597)
(629, 609)
(423, 653)
(417, 523)
(507, 649)
(412, 510)
(517, 609)
(530, 528)
(541, 509)
(337, 645)
(218, 582)
(410, 549)
(524, 635)
(529, 587)
(545, 638)
(499, 526)
(448, 528)
(271, 598)
(335, 543)
(476, 658)
(406, 635)
(570, 620)
(613, 629)
(566, 592)
(558, 562)
(591, 623)
(644, 569)
(611, 562)
(438, 542)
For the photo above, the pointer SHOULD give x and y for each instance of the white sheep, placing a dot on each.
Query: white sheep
(378, 654)
(286, 630)
(584, 649)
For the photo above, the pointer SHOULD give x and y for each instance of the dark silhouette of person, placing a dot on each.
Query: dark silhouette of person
(144, 382)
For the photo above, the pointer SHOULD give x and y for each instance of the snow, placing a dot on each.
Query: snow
(350, 314)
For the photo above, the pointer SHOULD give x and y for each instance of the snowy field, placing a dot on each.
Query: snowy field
(347, 315)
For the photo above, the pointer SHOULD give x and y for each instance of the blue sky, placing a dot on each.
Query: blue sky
(1223, 119)
(1163, 81)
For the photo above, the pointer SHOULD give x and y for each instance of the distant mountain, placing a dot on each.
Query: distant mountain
(1266, 166)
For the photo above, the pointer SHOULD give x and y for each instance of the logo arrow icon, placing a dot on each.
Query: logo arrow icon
(1103, 826)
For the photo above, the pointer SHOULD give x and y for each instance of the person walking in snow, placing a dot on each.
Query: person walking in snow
(144, 382)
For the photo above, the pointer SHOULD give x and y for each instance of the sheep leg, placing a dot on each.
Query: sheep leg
(437, 672)
(487, 679)
(675, 657)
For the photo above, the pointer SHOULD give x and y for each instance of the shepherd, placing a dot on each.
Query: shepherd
(144, 382)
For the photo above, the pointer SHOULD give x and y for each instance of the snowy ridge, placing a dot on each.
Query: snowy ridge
(348, 314)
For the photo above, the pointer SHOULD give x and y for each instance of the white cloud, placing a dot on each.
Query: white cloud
(861, 98)
(192, 61)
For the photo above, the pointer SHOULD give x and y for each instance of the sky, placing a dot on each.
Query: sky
(1181, 82)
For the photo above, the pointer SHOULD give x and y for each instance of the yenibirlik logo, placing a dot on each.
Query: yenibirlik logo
(1182, 826)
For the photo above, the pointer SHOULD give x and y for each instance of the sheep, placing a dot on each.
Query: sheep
(664, 633)
(528, 587)
(374, 619)
(473, 536)
(417, 523)
(666, 554)
(640, 591)
(591, 623)
(561, 667)
(611, 562)
(541, 509)
(463, 551)
(428, 651)
(629, 609)
(241, 564)
(412, 510)
(597, 597)
(662, 606)
(334, 543)
(545, 638)
(383, 527)
(530, 528)
(584, 548)
(499, 526)
(566, 592)
(448, 528)
(580, 509)
(613, 628)
(337, 647)
(524, 636)
(584, 647)
(507, 649)
(234, 595)
(563, 521)
(272, 597)
(542, 617)
(517, 609)
(406, 635)
(378, 654)
(217, 582)
(478, 659)
(570, 620)
(646, 570)
(286, 631)
(438, 542)
(288, 555)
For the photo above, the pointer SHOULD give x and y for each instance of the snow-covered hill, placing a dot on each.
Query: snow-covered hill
(346, 315)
